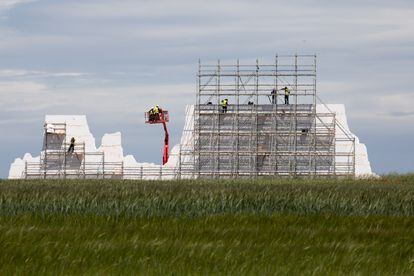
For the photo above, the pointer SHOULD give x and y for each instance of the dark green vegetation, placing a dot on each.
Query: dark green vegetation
(228, 227)
(227, 244)
(388, 196)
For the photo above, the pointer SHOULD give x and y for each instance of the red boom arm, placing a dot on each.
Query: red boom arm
(166, 144)
(161, 117)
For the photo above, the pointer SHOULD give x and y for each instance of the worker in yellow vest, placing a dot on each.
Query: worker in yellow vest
(287, 93)
(156, 111)
(224, 104)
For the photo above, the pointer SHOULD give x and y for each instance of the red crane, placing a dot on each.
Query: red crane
(161, 117)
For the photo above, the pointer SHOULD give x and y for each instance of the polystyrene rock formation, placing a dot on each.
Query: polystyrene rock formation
(362, 165)
(110, 152)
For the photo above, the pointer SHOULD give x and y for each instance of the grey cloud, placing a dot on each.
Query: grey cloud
(9, 4)
(19, 73)
(401, 113)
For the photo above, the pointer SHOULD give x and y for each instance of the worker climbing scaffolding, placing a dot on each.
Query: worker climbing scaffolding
(158, 116)
(72, 145)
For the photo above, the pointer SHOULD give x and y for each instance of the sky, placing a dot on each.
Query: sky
(112, 59)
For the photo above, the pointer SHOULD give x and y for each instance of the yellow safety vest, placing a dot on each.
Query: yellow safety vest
(224, 103)
(287, 92)
(156, 111)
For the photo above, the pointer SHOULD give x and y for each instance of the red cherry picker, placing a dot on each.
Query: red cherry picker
(158, 116)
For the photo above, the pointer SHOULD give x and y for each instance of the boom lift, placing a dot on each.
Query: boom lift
(161, 117)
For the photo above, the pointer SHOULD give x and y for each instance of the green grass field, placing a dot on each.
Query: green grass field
(208, 227)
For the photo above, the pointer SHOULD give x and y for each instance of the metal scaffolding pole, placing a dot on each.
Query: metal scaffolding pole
(254, 139)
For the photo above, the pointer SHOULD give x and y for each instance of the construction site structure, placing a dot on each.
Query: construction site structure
(86, 161)
(259, 134)
(56, 162)
(260, 130)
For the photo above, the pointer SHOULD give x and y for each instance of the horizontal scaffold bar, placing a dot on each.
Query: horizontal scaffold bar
(260, 75)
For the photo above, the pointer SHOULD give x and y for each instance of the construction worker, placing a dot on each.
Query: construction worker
(274, 95)
(72, 145)
(156, 112)
(151, 114)
(224, 104)
(287, 93)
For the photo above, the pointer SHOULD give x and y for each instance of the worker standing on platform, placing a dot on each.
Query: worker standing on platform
(224, 104)
(72, 145)
(156, 110)
(151, 114)
(287, 93)
(273, 95)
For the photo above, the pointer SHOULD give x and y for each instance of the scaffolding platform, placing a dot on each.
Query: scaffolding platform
(257, 134)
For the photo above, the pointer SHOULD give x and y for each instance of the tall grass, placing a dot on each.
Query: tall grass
(392, 195)
(268, 227)
(225, 245)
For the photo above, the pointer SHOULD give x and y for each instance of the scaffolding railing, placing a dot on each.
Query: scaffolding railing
(263, 131)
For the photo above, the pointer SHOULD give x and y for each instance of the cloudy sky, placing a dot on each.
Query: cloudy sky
(112, 59)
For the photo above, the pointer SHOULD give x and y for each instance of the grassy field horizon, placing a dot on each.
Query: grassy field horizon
(280, 226)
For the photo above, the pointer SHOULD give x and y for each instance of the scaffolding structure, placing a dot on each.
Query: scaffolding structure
(57, 163)
(258, 134)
